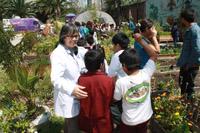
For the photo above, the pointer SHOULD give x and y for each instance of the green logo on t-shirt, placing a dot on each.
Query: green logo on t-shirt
(138, 93)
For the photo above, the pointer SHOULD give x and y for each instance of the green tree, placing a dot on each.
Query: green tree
(53, 8)
(4, 7)
(21, 8)
(153, 12)
(10, 55)
(110, 7)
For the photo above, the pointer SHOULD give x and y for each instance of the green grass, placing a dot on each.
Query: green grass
(170, 51)
(164, 33)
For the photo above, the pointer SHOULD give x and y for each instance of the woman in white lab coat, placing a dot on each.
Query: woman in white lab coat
(66, 64)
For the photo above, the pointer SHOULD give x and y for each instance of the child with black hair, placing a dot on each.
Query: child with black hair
(81, 43)
(90, 41)
(95, 115)
(120, 43)
(99, 47)
(134, 90)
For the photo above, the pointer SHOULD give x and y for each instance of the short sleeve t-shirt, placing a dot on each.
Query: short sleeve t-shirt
(135, 92)
(115, 68)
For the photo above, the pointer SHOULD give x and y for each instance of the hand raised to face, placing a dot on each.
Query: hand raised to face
(153, 31)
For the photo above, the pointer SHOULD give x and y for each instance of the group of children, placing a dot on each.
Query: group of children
(128, 79)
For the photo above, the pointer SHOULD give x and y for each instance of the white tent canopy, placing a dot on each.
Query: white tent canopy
(87, 16)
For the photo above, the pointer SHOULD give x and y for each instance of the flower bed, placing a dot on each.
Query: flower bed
(172, 113)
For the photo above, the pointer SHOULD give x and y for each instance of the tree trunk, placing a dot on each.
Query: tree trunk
(58, 10)
(118, 8)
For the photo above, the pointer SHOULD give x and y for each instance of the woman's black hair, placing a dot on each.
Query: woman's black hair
(67, 30)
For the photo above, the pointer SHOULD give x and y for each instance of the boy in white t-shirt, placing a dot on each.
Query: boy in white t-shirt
(134, 90)
(120, 42)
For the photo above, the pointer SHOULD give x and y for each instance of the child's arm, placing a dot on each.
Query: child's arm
(117, 96)
(148, 48)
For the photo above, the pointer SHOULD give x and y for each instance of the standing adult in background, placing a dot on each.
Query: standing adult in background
(174, 29)
(84, 31)
(66, 65)
(131, 24)
(189, 59)
(175, 33)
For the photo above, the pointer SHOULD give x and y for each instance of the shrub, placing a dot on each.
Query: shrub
(19, 104)
(45, 45)
(13, 55)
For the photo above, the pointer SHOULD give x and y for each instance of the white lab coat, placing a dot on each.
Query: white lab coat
(65, 71)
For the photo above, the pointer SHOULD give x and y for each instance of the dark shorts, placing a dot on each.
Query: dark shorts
(71, 125)
(116, 111)
(141, 128)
